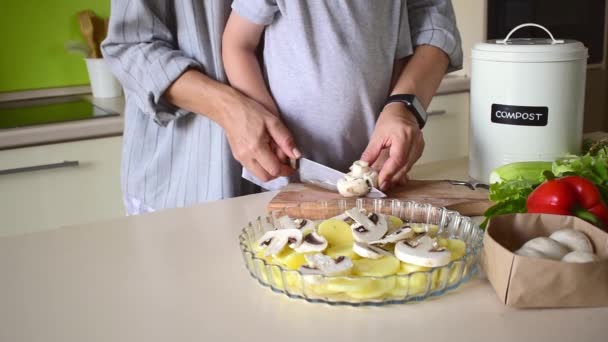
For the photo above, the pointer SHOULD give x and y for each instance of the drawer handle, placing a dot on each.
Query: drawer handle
(71, 163)
(437, 112)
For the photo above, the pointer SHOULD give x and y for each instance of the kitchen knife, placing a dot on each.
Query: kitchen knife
(325, 177)
(308, 171)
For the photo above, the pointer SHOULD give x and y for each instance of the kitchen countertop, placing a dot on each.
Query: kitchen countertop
(68, 131)
(178, 275)
(101, 127)
(454, 84)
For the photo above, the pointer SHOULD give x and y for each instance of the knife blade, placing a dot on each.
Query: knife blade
(310, 172)
(273, 185)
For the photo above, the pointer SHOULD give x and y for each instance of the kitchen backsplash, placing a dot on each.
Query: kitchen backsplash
(33, 33)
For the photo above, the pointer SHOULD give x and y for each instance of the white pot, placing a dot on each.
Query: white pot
(103, 82)
(527, 101)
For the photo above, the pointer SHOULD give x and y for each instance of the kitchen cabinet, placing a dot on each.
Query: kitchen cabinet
(446, 133)
(53, 185)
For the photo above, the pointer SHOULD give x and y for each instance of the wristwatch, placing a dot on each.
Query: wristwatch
(413, 105)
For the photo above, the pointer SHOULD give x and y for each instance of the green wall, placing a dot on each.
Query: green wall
(33, 34)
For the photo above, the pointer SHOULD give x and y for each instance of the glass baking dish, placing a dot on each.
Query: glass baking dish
(392, 289)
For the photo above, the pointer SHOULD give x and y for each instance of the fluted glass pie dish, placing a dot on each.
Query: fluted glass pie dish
(358, 290)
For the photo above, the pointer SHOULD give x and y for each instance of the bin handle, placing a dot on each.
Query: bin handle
(553, 40)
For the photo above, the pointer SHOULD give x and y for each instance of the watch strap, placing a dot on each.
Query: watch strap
(408, 100)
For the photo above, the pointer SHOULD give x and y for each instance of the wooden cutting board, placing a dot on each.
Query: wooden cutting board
(438, 193)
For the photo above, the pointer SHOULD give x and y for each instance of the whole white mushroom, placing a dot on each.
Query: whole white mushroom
(528, 252)
(361, 169)
(359, 181)
(353, 187)
(573, 239)
(548, 247)
(580, 257)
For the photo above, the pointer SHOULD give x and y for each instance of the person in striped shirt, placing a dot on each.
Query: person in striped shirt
(329, 65)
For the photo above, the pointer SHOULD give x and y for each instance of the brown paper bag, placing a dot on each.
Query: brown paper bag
(526, 282)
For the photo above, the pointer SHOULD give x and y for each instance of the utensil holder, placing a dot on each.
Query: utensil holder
(103, 82)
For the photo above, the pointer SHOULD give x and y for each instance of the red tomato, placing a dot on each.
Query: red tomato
(552, 197)
(587, 193)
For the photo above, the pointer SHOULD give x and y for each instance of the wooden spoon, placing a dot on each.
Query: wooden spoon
(106, 24)
(85, 18)
(99, 32)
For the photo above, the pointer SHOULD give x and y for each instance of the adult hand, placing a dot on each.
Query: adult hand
(258, 139)
(398, 140)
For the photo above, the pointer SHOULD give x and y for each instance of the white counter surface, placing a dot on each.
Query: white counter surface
(178, 275)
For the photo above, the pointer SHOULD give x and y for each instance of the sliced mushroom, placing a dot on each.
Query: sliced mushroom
(424, 251)
(368, 251)
(312, 242)
(286, 222)
(342, 217)
(365, 229)
(275, 240)
(304, 225)
(573, 239)
(323, 264)
(548, 247)
(580, 257)
(371, 179)
(403, 233)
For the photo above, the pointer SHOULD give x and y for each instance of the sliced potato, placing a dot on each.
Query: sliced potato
(420, 228)
(409, 269)
(379, 288)
(382, 267)
(269, 259)
(291, 259)
(336, 232)
(294, 281)
(398, 291)
(345, 284)
(276, 277)
(394, 223)
(417, 283)
(322, 290)
(457, 247)
(347, 251)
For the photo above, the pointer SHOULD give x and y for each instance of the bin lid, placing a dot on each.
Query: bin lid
(530, 49)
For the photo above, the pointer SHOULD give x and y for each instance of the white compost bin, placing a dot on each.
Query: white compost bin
(527, 101)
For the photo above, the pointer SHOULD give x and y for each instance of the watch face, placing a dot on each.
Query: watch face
(413, 104)
(419, 108)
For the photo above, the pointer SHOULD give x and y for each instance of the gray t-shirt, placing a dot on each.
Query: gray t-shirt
(329, 66)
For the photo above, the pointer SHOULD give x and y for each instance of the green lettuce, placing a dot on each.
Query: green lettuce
(510, 197)
(593, 166)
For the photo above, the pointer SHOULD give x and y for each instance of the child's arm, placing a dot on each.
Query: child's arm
(239, 45)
